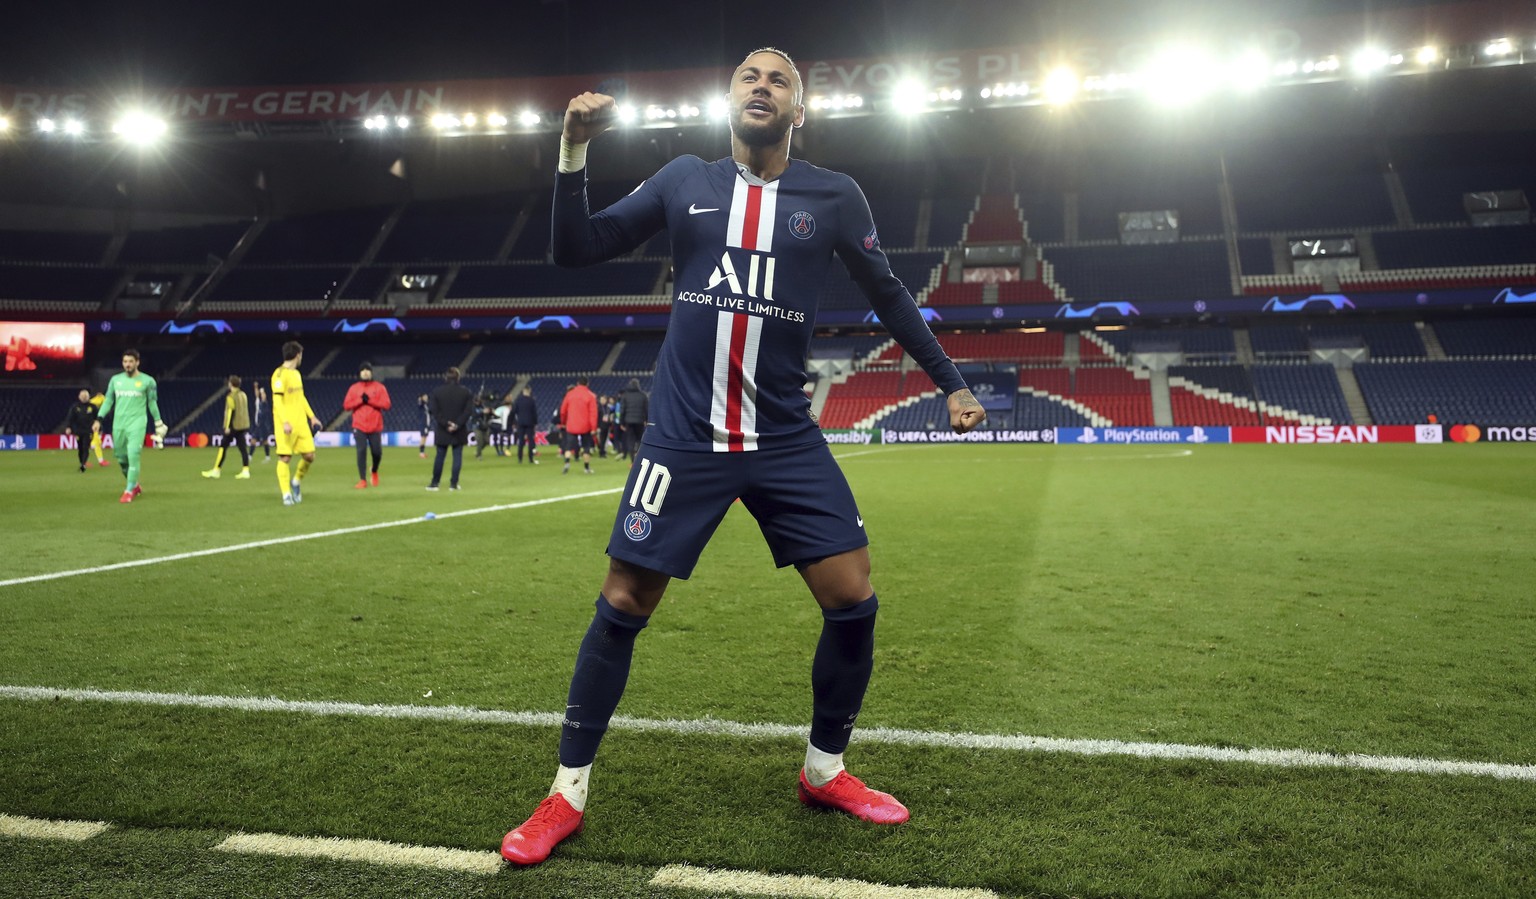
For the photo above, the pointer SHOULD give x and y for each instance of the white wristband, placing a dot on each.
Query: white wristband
(573, 157)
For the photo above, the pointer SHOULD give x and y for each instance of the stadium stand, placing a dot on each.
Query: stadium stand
(326, 237)
(35, 410)
(1487, 393)
(182, 246)
(542, 357)
(1309, 389)
(1180, 271)
(53, 246)
(1487, 338)
(452, 230)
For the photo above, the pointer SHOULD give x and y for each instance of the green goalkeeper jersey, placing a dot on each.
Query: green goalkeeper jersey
(131, 398)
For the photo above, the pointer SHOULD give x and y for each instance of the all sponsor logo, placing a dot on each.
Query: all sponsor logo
(861, 438)
(1313, 434)
(637, 525)
(1128, 436)
(998, 435)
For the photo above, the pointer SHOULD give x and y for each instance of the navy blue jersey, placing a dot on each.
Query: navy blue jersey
(749, 259)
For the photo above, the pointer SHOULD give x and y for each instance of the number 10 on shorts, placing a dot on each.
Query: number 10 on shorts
(651, 486)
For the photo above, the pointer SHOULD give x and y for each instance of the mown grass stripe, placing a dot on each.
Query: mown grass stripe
(296, 538)
(40, 829)
(1277, 758)
(373, 852)
(752, 883)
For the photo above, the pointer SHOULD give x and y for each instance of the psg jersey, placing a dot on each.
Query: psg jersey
(749, 259)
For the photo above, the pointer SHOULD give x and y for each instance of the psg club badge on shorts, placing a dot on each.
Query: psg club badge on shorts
(637, 526)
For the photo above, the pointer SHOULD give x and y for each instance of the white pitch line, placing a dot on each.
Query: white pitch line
(753, 883)
(1274, 758)
(40, 829)
(373, 852)
(295, 538)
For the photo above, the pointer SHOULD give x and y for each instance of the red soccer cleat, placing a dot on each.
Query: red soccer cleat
(127, 497)
(551, 822)
(102, 463)
(847, 793)
(375, 479)
(360, 485)
(137, 491)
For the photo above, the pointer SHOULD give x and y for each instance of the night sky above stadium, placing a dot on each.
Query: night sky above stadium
(179, 43)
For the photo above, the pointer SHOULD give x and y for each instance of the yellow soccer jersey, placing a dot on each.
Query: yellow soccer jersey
(289, 405)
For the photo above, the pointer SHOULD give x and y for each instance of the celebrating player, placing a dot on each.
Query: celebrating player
(292, 420)
(132, 400)
(752, 238)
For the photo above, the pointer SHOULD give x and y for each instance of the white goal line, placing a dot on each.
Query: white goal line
(1275, 758)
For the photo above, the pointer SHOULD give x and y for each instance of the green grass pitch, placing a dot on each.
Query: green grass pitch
(1343, 599)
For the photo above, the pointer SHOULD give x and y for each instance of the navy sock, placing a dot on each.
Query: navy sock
(602, 669)
(845, 656)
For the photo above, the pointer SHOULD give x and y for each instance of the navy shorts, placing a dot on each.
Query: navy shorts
(577, 442)
(674, 500)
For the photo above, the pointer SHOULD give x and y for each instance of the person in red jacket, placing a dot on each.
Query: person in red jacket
(366, 400)
(578, 413)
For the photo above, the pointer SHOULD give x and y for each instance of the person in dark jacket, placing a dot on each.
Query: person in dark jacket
(634, 407)
(81, 416)
(450, 406)
(525, 418)
(367, 400)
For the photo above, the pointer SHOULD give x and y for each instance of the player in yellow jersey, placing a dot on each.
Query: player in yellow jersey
(293, 424)
(96, 448)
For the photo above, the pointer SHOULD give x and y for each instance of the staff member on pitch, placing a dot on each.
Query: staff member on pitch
(367, 400)
(82, 415)
(237, 424)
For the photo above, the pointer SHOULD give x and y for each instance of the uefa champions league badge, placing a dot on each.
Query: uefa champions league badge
(802, 225)
(637, 526)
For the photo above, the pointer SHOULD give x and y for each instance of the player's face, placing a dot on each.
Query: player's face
(765, 100)
(85, 396)
(130, 365)
(365, 375)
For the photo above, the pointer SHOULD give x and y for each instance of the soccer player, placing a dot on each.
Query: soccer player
(237, 424)
(259, 423)
(367, 400)
(132, 401)
(293, 424)
(752, 237)
(578, 412)
(81, 421)
(96, 446)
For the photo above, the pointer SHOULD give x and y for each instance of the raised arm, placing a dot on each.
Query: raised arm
(579, 237)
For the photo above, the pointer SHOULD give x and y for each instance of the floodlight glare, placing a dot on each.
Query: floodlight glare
(469, 120)
(909, 97)
(443, 120)
(1179, 75)
(1368, 60)
(74, 127)
(718, 109)
(497, 120)
(1061, 86)
(626, 113)
(5, 124)
(1427, 55)
(527, 118)
(139, 128)
(402, 122)
(46, 126)
(1500, 47)
(1250, 71)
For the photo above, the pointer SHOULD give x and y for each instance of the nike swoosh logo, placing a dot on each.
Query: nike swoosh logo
(693, 209)
(861, 520)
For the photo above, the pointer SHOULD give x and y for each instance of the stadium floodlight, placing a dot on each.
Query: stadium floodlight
(1286, 69)
(527, 118)
(1427, 55)
(986, 93)
(626, 113)
(47, 126)
(1501, 47)
(402, 122)
(469, 119)
(444, 120)
(1179, 75)
(497, 120)
(5, 123)
(1061, 86)
(718, 108)
(1369, 60)
(909, 97)
(74, 127)
(1250, 71)
(140, 128)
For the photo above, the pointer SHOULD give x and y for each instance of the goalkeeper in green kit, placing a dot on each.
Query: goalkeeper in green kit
(132, 401)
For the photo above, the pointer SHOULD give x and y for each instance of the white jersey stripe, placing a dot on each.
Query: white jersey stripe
(749, 383)
(770, 203)
(738, 218)
(717, 406)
